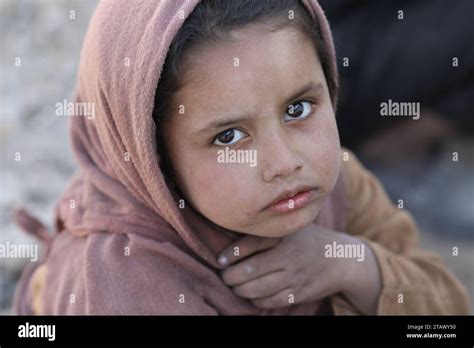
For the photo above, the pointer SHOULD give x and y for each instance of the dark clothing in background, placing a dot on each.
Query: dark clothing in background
(407, 60)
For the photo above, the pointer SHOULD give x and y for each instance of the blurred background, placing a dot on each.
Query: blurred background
(383, 54)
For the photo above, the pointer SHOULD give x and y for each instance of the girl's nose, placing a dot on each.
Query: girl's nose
(279, 158)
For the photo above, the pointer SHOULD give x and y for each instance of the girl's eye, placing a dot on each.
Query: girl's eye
(228, 137)
(299, 110)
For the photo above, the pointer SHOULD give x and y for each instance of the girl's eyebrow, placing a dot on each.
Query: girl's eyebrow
(311, 86)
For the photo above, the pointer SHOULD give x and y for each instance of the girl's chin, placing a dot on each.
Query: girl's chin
(286, 228)
(281, 225)
(296, 221)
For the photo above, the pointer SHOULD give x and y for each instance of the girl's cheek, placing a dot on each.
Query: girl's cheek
(212, 178)
(220, 189)
(230, 183)
(333, 162)
(225, 178)
(324, 152)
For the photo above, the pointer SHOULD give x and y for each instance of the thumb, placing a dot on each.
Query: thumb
(244, 247)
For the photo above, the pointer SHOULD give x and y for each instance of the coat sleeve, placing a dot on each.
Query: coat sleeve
(414, 281)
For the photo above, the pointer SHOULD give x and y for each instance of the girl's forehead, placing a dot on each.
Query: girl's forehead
(269, 61)
(249, 96)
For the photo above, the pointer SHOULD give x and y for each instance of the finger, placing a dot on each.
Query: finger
(265, 286)
(282, 299)
(245, 247)
(253, 267)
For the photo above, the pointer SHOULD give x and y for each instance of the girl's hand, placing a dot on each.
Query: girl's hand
(277, 272)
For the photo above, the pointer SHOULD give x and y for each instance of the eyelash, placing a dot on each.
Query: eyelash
(313, 104)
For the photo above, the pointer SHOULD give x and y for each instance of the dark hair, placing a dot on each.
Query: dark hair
(211, 22)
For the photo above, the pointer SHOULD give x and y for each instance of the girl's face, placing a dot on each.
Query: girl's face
(264, 97)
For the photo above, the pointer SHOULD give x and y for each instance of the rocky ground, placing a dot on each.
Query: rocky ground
(46, 37)
(40, 44)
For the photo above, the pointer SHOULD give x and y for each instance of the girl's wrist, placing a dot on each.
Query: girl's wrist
(364, 282)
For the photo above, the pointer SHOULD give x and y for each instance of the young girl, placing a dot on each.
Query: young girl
(212, 180)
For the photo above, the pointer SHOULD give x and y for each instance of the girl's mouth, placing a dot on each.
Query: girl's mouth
(295, 202)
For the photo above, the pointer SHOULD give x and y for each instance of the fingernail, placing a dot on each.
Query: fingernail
(223, 260)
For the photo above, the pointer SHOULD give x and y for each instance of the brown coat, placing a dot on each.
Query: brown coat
(427, 286)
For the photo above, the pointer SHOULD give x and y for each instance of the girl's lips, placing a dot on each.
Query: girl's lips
(298, 201)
